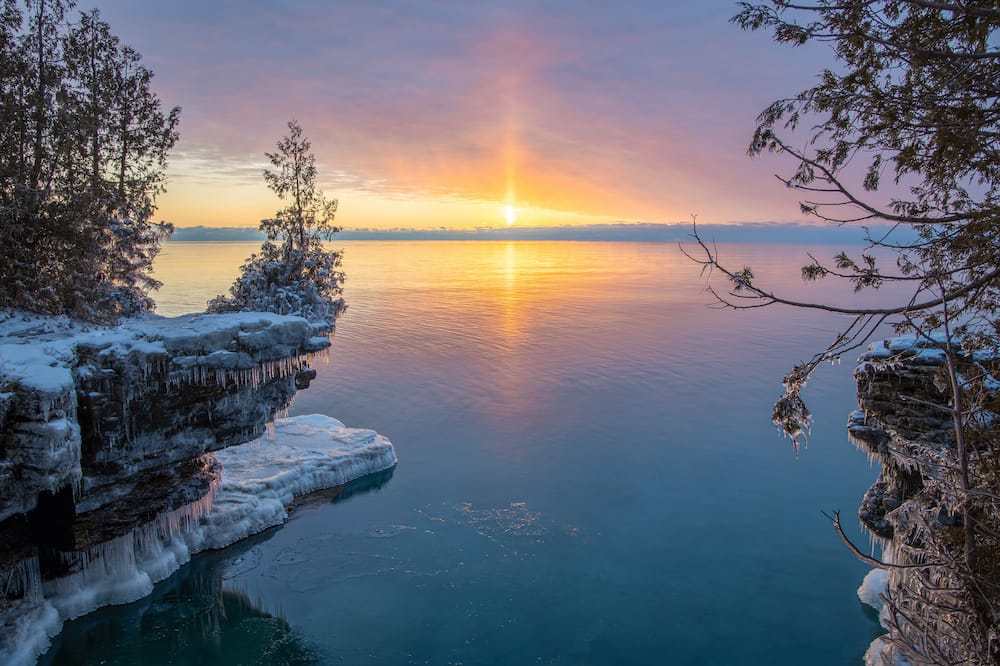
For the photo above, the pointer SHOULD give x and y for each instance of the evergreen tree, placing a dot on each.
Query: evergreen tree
(293, 273)
(84, 154)
(906, 130)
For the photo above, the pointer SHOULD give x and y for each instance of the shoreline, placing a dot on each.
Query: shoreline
(263, 481)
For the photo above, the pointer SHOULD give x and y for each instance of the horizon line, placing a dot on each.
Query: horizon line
(742, 232)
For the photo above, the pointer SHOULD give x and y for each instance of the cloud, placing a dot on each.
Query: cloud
(629, 111)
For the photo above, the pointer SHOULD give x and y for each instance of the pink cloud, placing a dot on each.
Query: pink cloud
(638, 112)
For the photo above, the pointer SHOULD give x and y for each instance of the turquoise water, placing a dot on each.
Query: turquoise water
(587, 475)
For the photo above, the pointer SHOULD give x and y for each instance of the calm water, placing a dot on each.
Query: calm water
(587, 475)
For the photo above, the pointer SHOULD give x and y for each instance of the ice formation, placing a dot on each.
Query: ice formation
(914, 508)
(103, 427)
(308, 453)
(873, 587)
(260, 480)
(172, 388)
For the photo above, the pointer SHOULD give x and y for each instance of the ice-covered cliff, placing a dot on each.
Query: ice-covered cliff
(84, 414)
(935, 507)
(108, 480)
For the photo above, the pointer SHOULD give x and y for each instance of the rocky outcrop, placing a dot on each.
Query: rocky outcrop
(94, 412)
(111, 460)
(940, 539)
(104, 430)
(39, 433)
(142, 407)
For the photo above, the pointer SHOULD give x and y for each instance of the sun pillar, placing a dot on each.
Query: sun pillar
(511, 157)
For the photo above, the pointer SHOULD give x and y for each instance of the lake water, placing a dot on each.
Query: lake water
(587, 475)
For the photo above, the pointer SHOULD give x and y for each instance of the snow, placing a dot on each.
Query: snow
(34, 342)
(872, 592)
(43, 358)
(261, 480)
(37, 352)
(873, 587)
(882, 653)
(926, 349)
(40, 368)
(204, 334)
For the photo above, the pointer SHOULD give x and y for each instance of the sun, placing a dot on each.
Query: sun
(510, 213)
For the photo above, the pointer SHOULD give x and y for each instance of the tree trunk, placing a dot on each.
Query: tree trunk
(36, 164)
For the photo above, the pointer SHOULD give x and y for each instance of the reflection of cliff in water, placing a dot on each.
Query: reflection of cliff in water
(197, 616)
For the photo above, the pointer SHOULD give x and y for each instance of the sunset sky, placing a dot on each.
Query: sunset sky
(427, 114)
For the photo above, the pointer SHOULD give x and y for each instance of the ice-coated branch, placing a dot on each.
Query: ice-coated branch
(743, 282)
(868, 559)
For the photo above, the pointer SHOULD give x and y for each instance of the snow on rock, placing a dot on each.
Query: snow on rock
(914, 349)
(271, 335)
(261, 480)
(85, 407)
(38, 401)
(873, 588)
(882, 653)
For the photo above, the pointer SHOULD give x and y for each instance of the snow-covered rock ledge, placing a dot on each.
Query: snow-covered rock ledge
(106, 436)
(89, 408)
(260, 480)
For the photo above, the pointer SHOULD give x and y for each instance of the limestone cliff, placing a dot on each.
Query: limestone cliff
(104, 430)
(937, 519)
(108, 480)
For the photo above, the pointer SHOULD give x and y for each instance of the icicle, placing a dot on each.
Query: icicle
(877, 543)
(24, 581)
(105, 562)
(124, 568)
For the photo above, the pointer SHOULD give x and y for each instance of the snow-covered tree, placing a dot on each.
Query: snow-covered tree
(84, 144)
(293, 273)
(121, 143)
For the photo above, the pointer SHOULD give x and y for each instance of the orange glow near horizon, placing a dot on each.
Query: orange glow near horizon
(614, 114)
(505, 167)
(190, 203)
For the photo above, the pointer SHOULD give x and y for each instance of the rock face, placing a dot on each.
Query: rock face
(141, 408)
(105, 429)
(108, 480)
(39, 433)
(943, 581)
